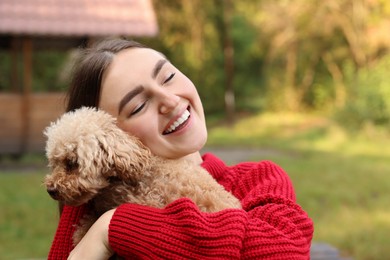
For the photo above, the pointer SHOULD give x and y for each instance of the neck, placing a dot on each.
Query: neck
(194, 158)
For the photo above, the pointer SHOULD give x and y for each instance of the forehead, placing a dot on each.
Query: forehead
(135, 57)
(132, 64)
(128, 69)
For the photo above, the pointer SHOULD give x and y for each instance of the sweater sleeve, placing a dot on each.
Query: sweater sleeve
(63, 244)
(270, 226)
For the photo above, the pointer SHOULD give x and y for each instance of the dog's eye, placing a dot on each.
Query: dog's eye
(71, 165)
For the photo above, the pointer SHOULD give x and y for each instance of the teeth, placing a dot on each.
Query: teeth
(179, 121)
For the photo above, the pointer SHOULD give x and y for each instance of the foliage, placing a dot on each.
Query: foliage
(48, 68)
(50, 71)
(369, 97)
(5, 69)
(314, 40)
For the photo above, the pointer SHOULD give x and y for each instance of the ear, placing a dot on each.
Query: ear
(127, 156)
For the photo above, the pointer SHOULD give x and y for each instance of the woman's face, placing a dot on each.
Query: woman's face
(154, 101)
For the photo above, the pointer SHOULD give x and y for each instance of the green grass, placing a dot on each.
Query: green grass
(343, 183)
(28, 216)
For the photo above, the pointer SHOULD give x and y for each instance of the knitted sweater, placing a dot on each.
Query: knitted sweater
(270, 226)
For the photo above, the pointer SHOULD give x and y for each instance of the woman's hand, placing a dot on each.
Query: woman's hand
(94, 244)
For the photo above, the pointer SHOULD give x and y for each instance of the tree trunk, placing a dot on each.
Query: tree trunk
(337, 75)
(228, 53)
(291, 71)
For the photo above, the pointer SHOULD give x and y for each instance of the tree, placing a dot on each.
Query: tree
(313, 35)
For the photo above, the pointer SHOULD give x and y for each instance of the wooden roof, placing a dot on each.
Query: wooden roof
(78, 17)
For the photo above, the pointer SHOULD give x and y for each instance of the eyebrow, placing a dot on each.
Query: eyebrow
(129, 96)
(158, 67)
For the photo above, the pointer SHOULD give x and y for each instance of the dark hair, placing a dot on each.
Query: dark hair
(88, 71)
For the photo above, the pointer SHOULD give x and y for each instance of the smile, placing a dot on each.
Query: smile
(178, 124)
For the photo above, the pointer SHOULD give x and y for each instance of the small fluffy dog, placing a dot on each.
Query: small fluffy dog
(93, 161)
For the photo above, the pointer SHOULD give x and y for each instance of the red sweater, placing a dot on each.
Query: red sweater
(270, 226)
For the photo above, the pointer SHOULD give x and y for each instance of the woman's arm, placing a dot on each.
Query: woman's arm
(180, 231)
(94, 244)
(270, 226)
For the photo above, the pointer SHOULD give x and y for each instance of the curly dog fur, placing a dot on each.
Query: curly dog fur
(93, 161)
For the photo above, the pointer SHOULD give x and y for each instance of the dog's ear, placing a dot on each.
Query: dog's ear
(126, 155)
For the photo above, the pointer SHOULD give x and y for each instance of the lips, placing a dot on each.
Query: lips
(178, 123)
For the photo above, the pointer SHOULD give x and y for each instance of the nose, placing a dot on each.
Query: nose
(53, 192)
(168, 102)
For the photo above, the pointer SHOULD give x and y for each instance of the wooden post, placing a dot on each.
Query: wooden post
(26, 94)
(14, 65)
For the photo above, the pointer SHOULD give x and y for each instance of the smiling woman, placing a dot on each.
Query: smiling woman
(152, 100)
(154, 96)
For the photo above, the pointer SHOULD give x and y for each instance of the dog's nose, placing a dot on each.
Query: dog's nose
(53, 193)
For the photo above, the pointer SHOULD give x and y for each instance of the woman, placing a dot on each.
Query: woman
(154, 101)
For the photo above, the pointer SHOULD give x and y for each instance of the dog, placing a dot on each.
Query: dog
(94, 162)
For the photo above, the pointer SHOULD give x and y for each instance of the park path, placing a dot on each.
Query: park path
(233, 155)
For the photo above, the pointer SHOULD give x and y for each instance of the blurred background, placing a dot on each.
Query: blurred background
(303, 83)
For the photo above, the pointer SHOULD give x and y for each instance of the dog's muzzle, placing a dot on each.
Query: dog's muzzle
(53, 193)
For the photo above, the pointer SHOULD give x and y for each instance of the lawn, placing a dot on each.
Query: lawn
(342, 181)
(28, 216)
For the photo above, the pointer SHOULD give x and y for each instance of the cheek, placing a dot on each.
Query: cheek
(192, 93)
(139, 129)
(197, 103)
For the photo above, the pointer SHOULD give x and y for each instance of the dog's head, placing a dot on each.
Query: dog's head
(85, 150)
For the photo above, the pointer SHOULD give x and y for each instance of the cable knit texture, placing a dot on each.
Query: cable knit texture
(270, 226)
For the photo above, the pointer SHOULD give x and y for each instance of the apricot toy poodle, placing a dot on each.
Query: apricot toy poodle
(94, 162)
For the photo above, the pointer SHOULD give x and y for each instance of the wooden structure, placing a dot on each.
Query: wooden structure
(26, 25)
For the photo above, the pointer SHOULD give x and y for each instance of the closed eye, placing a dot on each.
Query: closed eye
(169, 78)
(138, 109)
